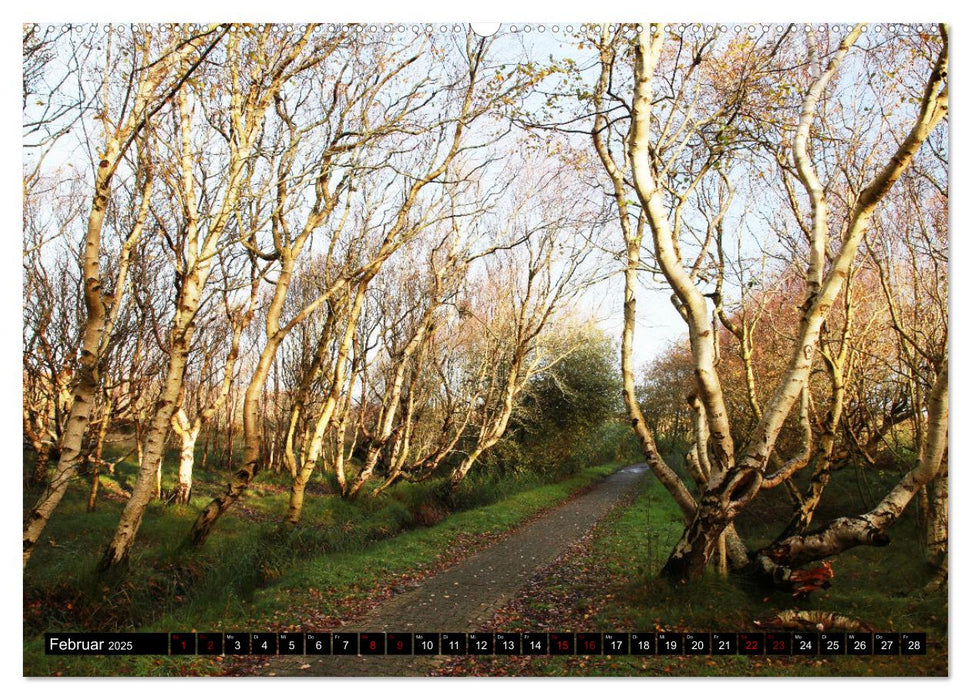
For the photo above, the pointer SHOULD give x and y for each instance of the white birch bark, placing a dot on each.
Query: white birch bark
(149, 81)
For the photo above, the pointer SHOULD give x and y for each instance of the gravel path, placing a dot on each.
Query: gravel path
(465, 597)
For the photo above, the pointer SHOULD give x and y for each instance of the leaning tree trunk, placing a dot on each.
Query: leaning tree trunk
(143, 105)
(146, 482)
(294, 434)
(89, 371)
(199, 244)
(822, 470)
(203, 525)
(391, 404)
(632, 240)
(871, 528)
(299, 486)
(98, 460)
(241, 480)
(491, 433)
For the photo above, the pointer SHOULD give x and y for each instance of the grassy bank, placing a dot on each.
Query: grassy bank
(254, 575)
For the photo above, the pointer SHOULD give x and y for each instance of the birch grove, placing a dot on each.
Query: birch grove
(333, 262)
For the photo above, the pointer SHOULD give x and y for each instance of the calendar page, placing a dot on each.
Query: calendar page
(428, 348)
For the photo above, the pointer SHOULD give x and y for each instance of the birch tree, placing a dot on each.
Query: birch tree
(666, 153)
(238, 318)
(366, 113)
(158, 69)
(257, 68)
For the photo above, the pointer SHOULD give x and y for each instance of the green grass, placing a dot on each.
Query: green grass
(881, 586)
(252, 574)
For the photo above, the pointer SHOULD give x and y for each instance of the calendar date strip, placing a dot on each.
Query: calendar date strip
(487, 643)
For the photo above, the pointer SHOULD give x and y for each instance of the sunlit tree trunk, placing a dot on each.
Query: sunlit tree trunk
(936, 527)
(312, 453)
(40, 442)
(199, 245)
(188, 434)
(147, 481)
(633, 236)
(149, 79)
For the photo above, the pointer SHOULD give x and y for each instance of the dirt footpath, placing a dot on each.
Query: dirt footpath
(466, 596)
